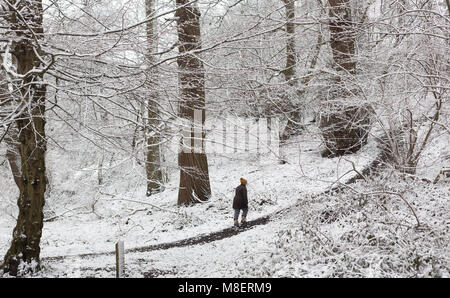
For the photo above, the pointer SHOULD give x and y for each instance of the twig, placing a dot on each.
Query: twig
(357, 172)
(136, 211)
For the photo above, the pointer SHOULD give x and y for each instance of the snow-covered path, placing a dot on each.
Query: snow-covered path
(218, 258)
(217, 254)
(197, 241)
(320, 236)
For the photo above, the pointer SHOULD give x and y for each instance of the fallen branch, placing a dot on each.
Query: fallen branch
(56, 216)
(140, 202)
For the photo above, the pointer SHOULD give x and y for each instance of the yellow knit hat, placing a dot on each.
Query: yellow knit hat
(243, 181)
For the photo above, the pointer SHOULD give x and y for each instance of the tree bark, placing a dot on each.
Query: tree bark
(344, 123)
(193, 163)
(342, 36)
(153, 129)
(23, 254)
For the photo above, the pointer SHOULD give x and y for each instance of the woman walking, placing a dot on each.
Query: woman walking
(240, 202)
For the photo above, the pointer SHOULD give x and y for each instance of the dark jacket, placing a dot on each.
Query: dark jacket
(240, 200)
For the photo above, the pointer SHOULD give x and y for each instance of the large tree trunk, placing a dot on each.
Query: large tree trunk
(344, 123)
(194, 176)
(23, 254)
(153, 129)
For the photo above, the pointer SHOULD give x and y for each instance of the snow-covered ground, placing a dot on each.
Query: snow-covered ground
(326, 236)
(341, 235)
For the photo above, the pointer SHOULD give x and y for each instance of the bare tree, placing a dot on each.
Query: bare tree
(24, 21)
(413, 83)
(289, 73)
(194, 176)
(153, 131)
(294, 123)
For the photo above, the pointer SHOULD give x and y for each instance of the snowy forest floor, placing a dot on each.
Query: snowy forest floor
(334, 235)
(363, 231)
